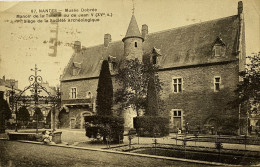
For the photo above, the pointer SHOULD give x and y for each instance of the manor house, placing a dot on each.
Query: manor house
(199, 65)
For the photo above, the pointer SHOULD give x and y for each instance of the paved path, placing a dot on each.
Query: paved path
(15, 153)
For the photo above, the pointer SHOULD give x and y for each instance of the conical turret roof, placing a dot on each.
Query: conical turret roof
(133, 30)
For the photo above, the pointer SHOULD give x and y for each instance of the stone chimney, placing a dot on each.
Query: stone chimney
(77, 46)
(144, 30)
(240, 7)
(107, 39)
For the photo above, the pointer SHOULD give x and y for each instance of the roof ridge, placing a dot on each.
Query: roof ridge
(99, 45)
(204, 22)
(169, 29)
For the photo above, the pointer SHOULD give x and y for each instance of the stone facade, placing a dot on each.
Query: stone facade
(198, 66)
(198, 101)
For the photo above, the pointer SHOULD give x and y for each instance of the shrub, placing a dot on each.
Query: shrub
(151, 126)
(105, 126)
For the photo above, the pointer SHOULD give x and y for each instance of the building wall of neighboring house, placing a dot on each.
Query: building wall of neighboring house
(199, 103)
(82, 87)
(77, 113)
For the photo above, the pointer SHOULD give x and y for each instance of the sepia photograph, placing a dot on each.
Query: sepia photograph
(129, 83)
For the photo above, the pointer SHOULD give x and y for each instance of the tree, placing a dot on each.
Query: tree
(5, 112)
(23, 114)
(104, 124)
(133, 81)
(152, 97)
(248, 89)
(38, 113)
(104, 100)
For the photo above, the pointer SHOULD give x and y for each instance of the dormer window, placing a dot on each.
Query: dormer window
(112, 63)
(155, 53)
(219, 48)
(76, 68)
(154, 59)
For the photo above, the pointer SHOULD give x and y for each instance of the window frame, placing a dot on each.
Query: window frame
(89, 95)
(215, 83)
(72, 93)
(217, 50)
(178, 89)
(136, 44)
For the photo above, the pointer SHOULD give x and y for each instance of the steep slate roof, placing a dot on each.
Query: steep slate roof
(183, 46)
(133, 30)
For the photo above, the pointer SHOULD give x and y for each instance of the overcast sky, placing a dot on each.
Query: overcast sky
(23, 45)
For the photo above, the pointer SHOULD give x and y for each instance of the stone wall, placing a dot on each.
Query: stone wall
(198, 100)
(199, 103)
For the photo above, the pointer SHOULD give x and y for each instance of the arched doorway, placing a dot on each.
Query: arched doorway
(211, 125)
(63, 117)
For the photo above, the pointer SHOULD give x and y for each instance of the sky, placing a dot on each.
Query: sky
(25, 44)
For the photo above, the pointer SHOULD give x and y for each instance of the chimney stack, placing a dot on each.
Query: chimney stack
(107, 39)
(77, 46)
(240, 7)
(144, 30)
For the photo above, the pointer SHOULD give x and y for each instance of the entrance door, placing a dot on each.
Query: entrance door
(177, 122)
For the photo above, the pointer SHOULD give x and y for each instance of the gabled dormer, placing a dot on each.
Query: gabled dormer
(219, 48)
(155, 54)
(76, 68)
(112, 63)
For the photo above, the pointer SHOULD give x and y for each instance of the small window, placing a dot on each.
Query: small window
(89, 95)
(217, 81)
(136, 44)
(177, 85)
(73, 93)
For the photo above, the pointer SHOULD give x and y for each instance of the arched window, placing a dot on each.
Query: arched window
(89, 95)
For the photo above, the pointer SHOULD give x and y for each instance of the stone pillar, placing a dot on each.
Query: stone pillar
(53, 119)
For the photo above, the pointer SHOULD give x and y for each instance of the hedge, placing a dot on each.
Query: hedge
(151, 126)
(105, 126)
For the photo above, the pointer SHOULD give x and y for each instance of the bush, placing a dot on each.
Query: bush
(151, 126)
(105, 126)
